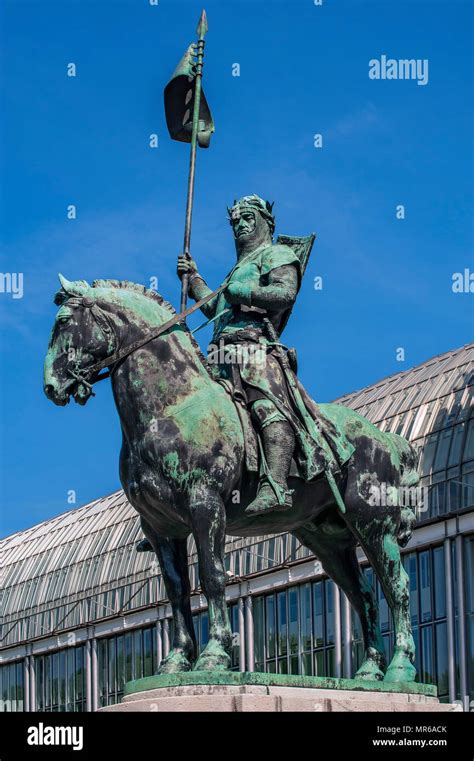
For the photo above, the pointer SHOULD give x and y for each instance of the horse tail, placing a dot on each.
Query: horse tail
(409, 478)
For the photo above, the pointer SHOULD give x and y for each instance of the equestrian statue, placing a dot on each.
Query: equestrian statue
(232, 444)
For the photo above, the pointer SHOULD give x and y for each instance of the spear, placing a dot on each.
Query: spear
(184, 96)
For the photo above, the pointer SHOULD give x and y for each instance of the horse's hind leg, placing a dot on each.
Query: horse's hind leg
(334, 545)
(173, 558)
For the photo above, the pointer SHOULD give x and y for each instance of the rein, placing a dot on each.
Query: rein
(120, 354)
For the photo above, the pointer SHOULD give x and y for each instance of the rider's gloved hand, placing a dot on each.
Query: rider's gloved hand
(186, 266)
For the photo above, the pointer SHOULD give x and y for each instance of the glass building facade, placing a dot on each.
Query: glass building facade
(83, 612)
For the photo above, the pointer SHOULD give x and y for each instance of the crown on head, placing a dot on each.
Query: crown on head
(255, 203)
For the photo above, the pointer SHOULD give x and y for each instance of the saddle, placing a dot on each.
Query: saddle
(330, 453)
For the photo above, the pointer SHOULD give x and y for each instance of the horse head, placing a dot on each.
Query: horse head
(82, 335)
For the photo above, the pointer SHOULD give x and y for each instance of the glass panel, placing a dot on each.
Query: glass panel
(271, 552)
(147, 652)
(386, 646)
(319, 665)
(4, 688)
(439, 585)
(467, 486)
(427, 453)
(305, 607)
(469, 554)
(318, 614)
(54, 680)
(19, 685)
(427, 673)
(425, 586)
(71, 678)
(454, 494)
(330, 667)
(455, 453)
(204, 628)
(416, 637)
(383, 610)
(49, 682)
(137, 654)
(62, 680)
(80, 677)
(442, 659)
(293, 620)
(12, 691)
(329, 585)
(443, 448)
(282, 624)
(270, 610)
(357, 654)
(369, 574)
(469, 445)
(234, 623)
(306, 664)
(39, 668)
(471, 653)
(196, 628)
(294, 665)
(102, 658)
(356, 626)
(437, 496)
(259, 630)
(128, 657)
(120, 644)
(112, 668)
(409, 562)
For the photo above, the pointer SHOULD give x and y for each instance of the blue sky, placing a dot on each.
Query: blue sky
(303, 70)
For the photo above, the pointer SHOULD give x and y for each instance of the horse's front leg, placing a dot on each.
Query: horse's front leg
(208, 525)
(173, 558)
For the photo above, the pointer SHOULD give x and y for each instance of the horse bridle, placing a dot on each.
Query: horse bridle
(90, 375)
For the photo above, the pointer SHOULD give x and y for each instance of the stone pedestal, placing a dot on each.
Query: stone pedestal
(254, 692)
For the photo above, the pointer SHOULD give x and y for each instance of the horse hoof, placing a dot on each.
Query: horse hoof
(400, 674)
(212, 664)
(372, 667)
(174, 663)
(370, 671)
(216, 659)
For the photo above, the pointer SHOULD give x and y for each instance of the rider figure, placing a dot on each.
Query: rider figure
(263, 284)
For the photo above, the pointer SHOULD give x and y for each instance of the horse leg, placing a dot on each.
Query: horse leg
(383, 552)
(334, 545)
(173, 558)
(208, 523)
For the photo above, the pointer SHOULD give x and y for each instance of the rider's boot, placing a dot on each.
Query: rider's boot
(278, 446)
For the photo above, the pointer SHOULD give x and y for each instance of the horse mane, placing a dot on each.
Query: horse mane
(137, 288)
(61, 297)
(149, 293)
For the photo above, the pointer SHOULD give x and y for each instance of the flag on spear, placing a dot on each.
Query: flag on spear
(180, 93)
(189, 120)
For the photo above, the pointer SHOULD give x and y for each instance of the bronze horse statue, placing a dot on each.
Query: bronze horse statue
(182, 463)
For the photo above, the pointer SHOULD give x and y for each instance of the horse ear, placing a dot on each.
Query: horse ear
(76, 288)
(66, 285)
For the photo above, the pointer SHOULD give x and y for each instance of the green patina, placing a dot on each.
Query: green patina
(204, 428)
(350, 423)
(275, 680)
(184, 479)
(203, 413)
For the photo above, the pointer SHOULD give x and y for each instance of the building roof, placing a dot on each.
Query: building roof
(81, 566)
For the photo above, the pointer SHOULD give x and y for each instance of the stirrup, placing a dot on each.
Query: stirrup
(271, 497)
